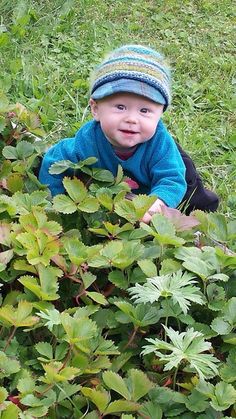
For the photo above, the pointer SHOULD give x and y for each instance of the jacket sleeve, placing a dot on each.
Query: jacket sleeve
(63, 150)
(167, 171)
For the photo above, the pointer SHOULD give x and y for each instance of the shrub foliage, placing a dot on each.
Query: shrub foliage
(102, 315)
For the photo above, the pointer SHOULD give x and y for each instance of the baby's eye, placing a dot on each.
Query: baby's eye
(120, 107)
(144, 110)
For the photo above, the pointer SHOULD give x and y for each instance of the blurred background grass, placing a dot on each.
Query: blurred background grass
(48, 48)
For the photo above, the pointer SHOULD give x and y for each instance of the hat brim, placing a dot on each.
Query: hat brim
(128, 86)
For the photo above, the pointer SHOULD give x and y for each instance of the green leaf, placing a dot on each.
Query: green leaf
(119, 279)
(3, 394)
(52, 317)
(104, 196)
(121, 406)
(78, 330)
(64, 204)
(18, 317)
(220, 326)
(116, 383)
(178, 286)
(75, 189)
(11, 412)
(99, 398)
(228, 370)
(97, 297)
(24, 149)
(45, 349)
(8, 365)
(88, 279)
(138, 384)
(151, 410)
(10, 153)
(90, 204)
(185, 347)
(148, 267)
(76, 250)
(224, 396)
(26, 385)
(102, 175)
(197, 402)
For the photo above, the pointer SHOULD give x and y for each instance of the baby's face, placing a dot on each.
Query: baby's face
(127, 119)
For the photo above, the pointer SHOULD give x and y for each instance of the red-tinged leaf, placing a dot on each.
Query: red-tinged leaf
(181, 222)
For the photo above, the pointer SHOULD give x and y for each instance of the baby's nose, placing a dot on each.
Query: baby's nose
(132, 117)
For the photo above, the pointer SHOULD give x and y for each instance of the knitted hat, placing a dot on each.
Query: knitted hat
(134, 69)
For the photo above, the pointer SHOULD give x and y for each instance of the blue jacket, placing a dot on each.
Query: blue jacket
(155, 164)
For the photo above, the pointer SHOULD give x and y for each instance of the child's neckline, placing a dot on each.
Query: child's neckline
(124, 153)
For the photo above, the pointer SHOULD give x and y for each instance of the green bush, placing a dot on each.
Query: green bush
(103, 315)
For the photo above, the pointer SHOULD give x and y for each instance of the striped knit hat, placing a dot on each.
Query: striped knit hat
(134, 69)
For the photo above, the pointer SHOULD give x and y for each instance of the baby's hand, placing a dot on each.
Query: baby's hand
(156, 207)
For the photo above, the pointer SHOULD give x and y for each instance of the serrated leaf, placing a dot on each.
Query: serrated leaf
(45, 349)
(75, 189)
(138, 383)
(121, 406)
(151, 410)
(115, 382)
(88, 279)
(3, 394)
(11, 412)
(178, 286)
(10, 153)
(18, 316)
(15, 182)
(119, 279)
(220, 326)
(97, 297)
(188, 347)
(64, 204)
(228, 370)
(90, 204)
(26, 385)
(24, 149)
(224, 396)
(102, 175)
(148, 267)
(99, 398)
(197, 402)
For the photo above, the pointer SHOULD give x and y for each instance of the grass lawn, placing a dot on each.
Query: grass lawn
(47, 49)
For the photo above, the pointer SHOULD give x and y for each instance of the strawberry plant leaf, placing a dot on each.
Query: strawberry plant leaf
(45, 349)
(151, 410)
(119, 279)
(121, 406)
(115, 382)
(97, 297)
(138, 384)
(224, 396)
(64, 204)
(98, 397)
(75, 189)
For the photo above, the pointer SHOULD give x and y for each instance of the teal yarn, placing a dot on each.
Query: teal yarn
(134, 63)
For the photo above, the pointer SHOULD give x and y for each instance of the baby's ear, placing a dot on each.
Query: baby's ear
(94, 108)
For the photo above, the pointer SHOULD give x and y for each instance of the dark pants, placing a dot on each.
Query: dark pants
(196, 197)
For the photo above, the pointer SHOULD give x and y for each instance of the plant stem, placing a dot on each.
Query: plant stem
(131, 337)
(174, 378)
(10, 338)
(166, 324)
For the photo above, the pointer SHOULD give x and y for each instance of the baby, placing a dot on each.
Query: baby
(130, 90)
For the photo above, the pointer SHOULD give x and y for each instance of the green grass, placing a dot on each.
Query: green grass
(48, 49)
